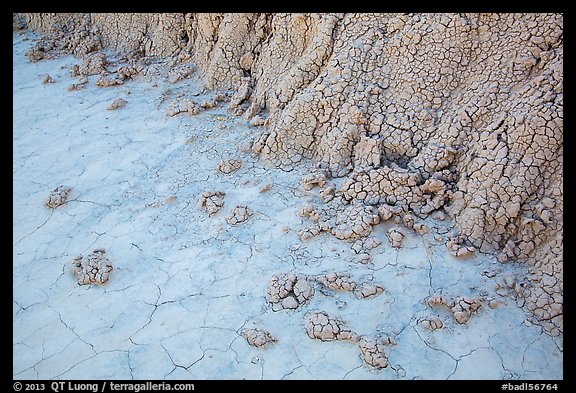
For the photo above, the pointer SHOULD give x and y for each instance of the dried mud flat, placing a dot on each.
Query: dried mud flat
(234, 273)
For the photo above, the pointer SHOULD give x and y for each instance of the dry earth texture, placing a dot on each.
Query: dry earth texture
(421, 114)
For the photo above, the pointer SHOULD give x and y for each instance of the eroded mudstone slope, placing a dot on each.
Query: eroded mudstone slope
(425, 112)
(196, 292)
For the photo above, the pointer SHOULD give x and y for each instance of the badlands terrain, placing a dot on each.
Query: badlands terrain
(287, 196)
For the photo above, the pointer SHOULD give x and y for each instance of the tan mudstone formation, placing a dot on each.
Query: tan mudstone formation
(427, 113)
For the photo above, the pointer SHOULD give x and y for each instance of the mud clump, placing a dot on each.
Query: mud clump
(117, 104)
(431, 323)
(93, 269)
(129, 72)
(458, 249)
(343, 282)
(338, 282)
(58, 197)
(378, 100)
(365, 244)
(93, 64)
(420, 229)
(289, 291)
(265, 188)
(37, 53)
(439, 300)
(212, 201)
(258, 338)
(396, 237)
(316, 178)
(374, 350)
(184, 105)
(230, 165)
(346, 221)
(462, 308)
(386, 212)
(106, 81)
(355, 221)
(239, 214)
(368, 290)
(321, 326)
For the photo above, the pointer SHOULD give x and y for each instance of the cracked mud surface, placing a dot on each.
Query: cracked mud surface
(189, 290)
